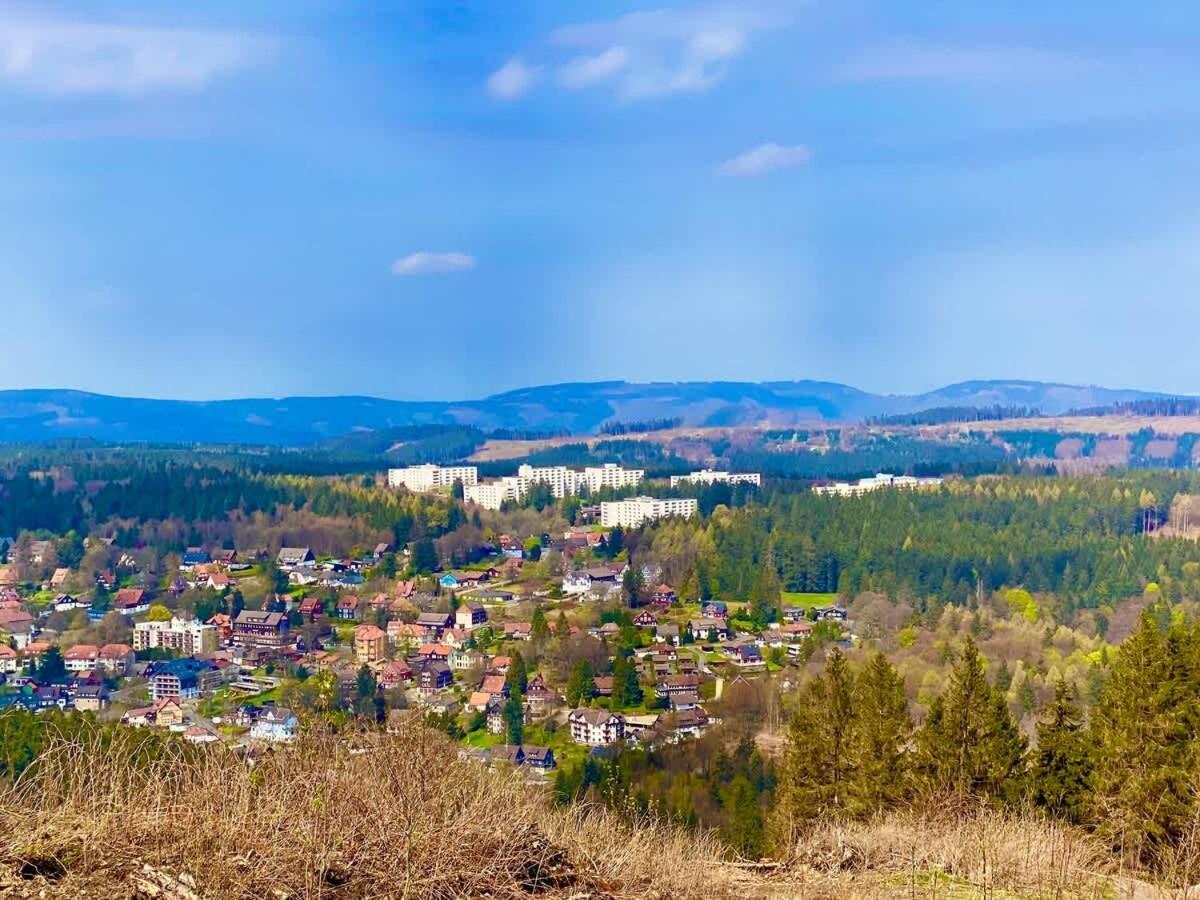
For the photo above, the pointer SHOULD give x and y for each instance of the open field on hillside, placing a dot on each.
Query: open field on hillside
(1114, 425)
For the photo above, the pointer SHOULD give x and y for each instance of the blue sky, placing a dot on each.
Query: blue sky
(441, 200)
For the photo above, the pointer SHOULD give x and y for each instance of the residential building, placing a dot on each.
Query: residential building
(434, 677)
(370, 644)
(131, 601)
(611, 475)
(91, 697)
(878, 482)
(421, 479)
(708, 476)
(182, 679)
(294, 557)
(276, 724)
(187, 638)
(116, 659)
(81, 658)
(637, 510)
(259, 628)
(596, 727)
(494, 494)
(470, 615)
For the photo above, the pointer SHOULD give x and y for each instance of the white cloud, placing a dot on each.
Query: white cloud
(426, 263)
(656, 53)
(55, 56)
(917, 61)
(765, 158)
(511, 80)
(585, 71)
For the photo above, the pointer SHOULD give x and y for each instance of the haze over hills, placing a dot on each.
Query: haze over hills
(580, 408)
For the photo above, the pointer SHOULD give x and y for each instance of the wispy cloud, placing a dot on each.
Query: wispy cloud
(63, 57)
(425, 263)
(765, 158)
(511, 80)
(652, 53)
(585, 71)
(919, 61)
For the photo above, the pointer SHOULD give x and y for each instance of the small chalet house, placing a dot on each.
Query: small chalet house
(793, 614)
(596, 727)
(395, 674)
(259, 628)
(647, 618)
(670, 685)
(830, 614)
(664, 595)
(715, 609)
(709, 629)
(91, 697)
(59, 578)
(470, 615)
(10, 660)
(131, 601)
(435, 676)
(294, 557)
(192, 557)
(347, 607)
(311, 609)
(370, 644)
(276, 724)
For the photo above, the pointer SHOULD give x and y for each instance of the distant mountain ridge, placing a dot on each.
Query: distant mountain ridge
(47, 414)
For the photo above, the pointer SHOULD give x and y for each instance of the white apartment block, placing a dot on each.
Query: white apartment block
(492, 494)
(633, 512)
(708, 476)
(422, 479)
(563, 482)
(610, 475)
(877, 482)
(188, 638)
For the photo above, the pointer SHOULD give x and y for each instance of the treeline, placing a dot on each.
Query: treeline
(899, 454)
(1155, 406)
(942, 415)
(1126, 771)
(1079, 538)
(640, 427)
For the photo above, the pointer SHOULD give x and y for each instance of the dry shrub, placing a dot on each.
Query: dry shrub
(1029, 855)
(395, 816)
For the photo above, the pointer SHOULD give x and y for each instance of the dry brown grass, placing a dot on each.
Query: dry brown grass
(400, 816)
(976, 852)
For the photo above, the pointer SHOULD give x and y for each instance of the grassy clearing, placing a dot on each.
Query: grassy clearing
(806, 601)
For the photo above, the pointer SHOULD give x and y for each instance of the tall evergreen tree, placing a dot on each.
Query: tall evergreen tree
(880, 767)
(817, 763)
(969, 743)
(1062, 764)
(518, 675)
(539, 628)
(1142, 800)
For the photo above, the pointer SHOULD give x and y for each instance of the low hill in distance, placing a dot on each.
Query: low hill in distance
(579, 408)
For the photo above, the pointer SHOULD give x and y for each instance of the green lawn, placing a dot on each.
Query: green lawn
(806, 601)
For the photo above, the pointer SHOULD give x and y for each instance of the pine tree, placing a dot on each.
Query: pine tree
(817, 765)
(1142, 799)
(969, 743)
(581, 685)
(880, 768)
(1062, 764)
(514, 719)
(518, 676)
(539, 628)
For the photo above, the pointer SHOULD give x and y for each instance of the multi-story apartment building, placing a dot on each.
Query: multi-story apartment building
(708, 476)
(878, 482)
(493, 494)
(633, 512)
(370, 644)
(611, 475)
(259, 628)
(186, 638)
(563, 482)
(182, 679)
(421, 479)
(596, 727)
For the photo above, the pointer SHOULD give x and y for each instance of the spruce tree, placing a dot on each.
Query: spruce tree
(1062, 764)
(817, 764)
(969, 744)
(1142, 800)
(879, 776)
